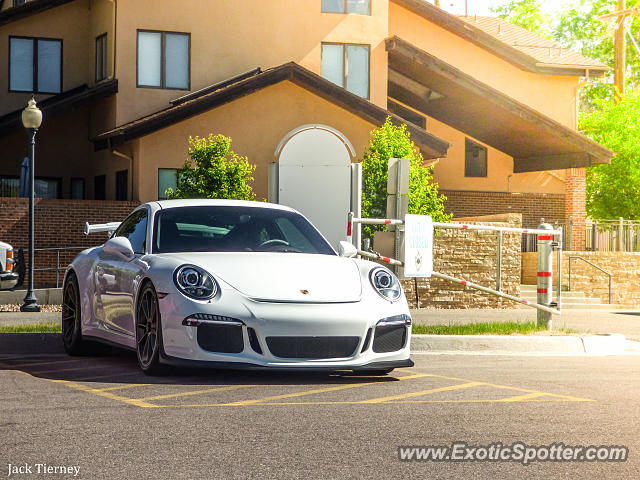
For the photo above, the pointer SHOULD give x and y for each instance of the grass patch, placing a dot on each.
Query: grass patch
(488, 328)
(40, 327)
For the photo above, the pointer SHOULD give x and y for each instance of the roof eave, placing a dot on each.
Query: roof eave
(430, 145)
(27, 9)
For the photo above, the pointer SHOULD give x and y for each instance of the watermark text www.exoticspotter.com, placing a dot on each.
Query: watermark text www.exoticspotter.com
(516, 452)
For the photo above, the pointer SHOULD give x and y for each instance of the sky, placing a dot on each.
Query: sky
(481, 7)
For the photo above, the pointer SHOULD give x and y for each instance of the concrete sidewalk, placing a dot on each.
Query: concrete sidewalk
(626, 322)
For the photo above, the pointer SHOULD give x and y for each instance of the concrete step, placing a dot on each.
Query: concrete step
(570, 300)
(585, 306)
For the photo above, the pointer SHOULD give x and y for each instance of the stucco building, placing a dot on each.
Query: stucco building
(124, 83)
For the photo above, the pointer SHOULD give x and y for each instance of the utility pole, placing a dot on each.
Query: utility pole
(620, 18)
(620, 45)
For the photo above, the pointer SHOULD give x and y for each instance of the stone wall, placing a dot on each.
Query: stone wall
(470, 255)
(624, 267)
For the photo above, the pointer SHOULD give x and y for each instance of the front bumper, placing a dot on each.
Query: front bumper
(264, 321)
(8, 280)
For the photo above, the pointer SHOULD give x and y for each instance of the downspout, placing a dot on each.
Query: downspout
(115, 30)
(126, 157)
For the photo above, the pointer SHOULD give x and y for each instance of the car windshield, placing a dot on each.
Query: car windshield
(235, 229)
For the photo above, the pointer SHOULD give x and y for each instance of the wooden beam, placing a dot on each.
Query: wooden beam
(552, 162)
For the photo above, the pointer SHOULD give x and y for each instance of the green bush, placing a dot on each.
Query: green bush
(214, 171)
(391, 141)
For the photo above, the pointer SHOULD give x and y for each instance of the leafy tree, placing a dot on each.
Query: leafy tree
(526, 14)
(214, 171)
(613, 190)
(391, 141)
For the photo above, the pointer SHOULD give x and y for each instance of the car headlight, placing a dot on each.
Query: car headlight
(385, 283)
(195, 282)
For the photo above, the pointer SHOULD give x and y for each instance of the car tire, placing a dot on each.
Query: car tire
(72, 317)
(148, 331)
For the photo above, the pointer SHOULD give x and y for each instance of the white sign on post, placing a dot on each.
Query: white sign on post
(418, 246)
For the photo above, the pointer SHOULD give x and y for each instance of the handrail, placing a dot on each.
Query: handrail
(571, 257)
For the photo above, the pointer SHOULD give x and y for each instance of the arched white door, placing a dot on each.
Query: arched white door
(314, 177)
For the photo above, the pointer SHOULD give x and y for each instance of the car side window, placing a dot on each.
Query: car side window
(135, 229)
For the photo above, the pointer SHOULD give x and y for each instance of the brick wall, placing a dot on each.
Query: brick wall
(532, 206)
(575, 205)
(624, 267)
(471, 255)
(58, 223)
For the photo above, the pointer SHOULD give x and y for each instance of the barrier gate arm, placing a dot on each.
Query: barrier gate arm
(387, 221)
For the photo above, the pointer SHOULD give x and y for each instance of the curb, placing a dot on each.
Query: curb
(45, 296)
(31, 343)
(609, 344)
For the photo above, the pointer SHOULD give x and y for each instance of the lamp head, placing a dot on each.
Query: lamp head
(32, 115)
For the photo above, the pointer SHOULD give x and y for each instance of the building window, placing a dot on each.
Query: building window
(475, 159)
(167, 178)
(163, 60)
(101, 57)
(122, 184)
(362, 7)
(347, 65)
(100, 187)
(9, 186)
(35, 65)
(77, 189)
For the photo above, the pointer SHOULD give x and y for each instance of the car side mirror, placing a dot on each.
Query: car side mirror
(120, 247)
(346, 249)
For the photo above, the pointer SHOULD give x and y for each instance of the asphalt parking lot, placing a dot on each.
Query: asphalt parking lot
(103, 416)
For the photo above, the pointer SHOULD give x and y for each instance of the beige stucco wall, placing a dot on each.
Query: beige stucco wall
(232, 37)
(449, 172)
(552, 95)
(292, 105)
(70, 22)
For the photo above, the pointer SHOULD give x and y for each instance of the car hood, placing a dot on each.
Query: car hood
(284, 277)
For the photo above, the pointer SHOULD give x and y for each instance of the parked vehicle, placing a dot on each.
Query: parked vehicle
(234, 284)
(8, 275)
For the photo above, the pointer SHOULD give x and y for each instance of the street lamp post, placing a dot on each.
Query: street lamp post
(31, 119)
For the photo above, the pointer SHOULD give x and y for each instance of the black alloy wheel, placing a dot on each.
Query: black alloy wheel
(148, 331)
(71, 317)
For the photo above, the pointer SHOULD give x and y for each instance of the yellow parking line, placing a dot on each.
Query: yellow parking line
(72, 369)
(314, 391)
(120, 387)
(423, 392)
(98, 392)
(53, 362)
(195, 392)
(522, 398)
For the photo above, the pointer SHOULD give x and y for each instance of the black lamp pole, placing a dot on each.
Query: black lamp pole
(31, 119)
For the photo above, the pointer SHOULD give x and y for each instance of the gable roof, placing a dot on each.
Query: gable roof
(430, 145)
(60, 104)
(516, 45)
(535, 141)
(27, 9)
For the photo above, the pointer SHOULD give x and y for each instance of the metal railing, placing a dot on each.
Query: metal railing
(57, 268)
(572, 257)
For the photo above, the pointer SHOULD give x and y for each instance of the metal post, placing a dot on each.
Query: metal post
(499, 263)
(545, 272)
(356, 202)
(57, 268)
(595, 235)
(397, 232)
(570, 234)
(559, 261)
(621, 234)
(30, 300)
(350, 228)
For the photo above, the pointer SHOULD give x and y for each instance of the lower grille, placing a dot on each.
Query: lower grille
(220, 338)
(312, 347)
(389, 339)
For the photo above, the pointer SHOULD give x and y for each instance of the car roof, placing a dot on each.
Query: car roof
(206, 202)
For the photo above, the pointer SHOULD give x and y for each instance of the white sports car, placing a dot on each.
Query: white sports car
(234, 284)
